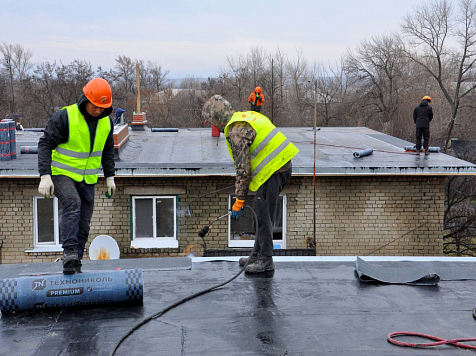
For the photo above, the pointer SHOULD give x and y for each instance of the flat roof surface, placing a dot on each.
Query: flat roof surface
(194, 152)
(309, 307)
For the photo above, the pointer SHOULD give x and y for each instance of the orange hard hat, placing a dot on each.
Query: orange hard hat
(426, 97)
(98, 92)
(258, 89)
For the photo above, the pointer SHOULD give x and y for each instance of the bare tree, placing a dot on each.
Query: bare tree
(18, 58)
(460, 206)
(331, 86)
(431, 28)
(125, 73)
(71, 79)
(377, 73)
(299, 77)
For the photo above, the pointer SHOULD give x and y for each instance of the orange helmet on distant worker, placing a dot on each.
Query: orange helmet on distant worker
(98, 92)
(426, 97)
(258, 89)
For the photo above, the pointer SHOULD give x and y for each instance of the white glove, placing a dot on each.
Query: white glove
(111, 186)
(46, 187)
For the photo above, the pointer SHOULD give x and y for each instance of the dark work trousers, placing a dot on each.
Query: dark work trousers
(265, 205)
(425, 132)
(77, 199)
(255, 108)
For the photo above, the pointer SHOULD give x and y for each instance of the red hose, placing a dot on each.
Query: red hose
(439, 341)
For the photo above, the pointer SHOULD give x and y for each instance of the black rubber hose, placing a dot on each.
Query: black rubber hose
(181, 301)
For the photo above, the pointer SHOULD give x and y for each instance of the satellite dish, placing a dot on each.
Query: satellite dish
(104, 247)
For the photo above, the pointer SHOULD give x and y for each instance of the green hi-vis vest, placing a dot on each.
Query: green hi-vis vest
(270, 151)
(73, 158)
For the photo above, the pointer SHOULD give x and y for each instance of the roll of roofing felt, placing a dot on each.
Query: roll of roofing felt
(159, 129)
(363, 153)
(4, 142)
(431, 149)
(28, 149)
(13, 144)
(60, 291)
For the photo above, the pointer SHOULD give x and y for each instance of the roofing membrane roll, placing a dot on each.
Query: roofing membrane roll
(4, 142)
(60, 291)
(363, 153)
(433, 149)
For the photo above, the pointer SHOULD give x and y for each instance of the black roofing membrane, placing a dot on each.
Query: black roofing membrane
(304, 308)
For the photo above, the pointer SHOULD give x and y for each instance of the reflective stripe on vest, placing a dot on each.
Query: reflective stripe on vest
(73, 158)
(270, 150)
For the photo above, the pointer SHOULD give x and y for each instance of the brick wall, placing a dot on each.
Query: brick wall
(354, 216)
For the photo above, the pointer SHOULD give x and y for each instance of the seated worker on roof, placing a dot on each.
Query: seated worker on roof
(262, 157)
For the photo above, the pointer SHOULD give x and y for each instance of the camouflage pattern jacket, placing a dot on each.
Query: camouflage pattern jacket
(240, 137)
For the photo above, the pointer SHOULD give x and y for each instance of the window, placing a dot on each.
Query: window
(47, 223)
(241, 233)
(154, 222)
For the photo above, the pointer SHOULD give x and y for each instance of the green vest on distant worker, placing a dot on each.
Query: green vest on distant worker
(270, 151)
(74, 158)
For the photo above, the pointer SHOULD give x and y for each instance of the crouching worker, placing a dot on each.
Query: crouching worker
(262, 157)
(76, 141)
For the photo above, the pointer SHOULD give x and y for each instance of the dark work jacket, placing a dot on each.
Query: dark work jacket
(422, 115)
(57, 131)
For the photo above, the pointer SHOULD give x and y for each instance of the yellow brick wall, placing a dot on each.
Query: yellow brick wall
(354, 216)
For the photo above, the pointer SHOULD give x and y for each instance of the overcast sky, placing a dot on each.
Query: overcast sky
(194, 37)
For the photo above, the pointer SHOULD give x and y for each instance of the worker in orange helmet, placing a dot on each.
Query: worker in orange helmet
(76, 141)
(256, 99)
(422, 115)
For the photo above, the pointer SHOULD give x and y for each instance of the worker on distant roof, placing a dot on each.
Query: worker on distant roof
(76, 141)
(422, 115)
(262, 156)
(256, 99)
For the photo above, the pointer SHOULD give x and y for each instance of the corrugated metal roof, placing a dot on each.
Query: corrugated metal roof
(194, 152)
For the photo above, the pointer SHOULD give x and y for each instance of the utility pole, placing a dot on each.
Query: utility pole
(314, 175)
(272, 90)
(11, 83)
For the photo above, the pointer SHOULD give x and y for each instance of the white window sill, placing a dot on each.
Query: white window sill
(277, 244)
(38, 249)
(154, 243)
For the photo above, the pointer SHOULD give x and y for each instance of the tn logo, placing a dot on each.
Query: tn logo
(39, 284)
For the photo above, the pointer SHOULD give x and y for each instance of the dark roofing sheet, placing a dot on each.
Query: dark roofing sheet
(305, 308)
(189, 152)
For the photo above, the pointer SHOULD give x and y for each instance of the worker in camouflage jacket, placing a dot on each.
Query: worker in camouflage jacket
(247, 135)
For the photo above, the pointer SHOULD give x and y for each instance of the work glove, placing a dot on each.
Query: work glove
(111, 186)
(258, 97)
(237, 209)
(46, 187)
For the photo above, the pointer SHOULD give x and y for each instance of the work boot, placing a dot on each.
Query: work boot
(243, 260)
(260, 266)
(78, 268)
(427, 152)
(70, 261)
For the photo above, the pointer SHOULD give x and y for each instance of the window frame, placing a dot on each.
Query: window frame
(153, 241)
(280, 244)
(54, 245)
